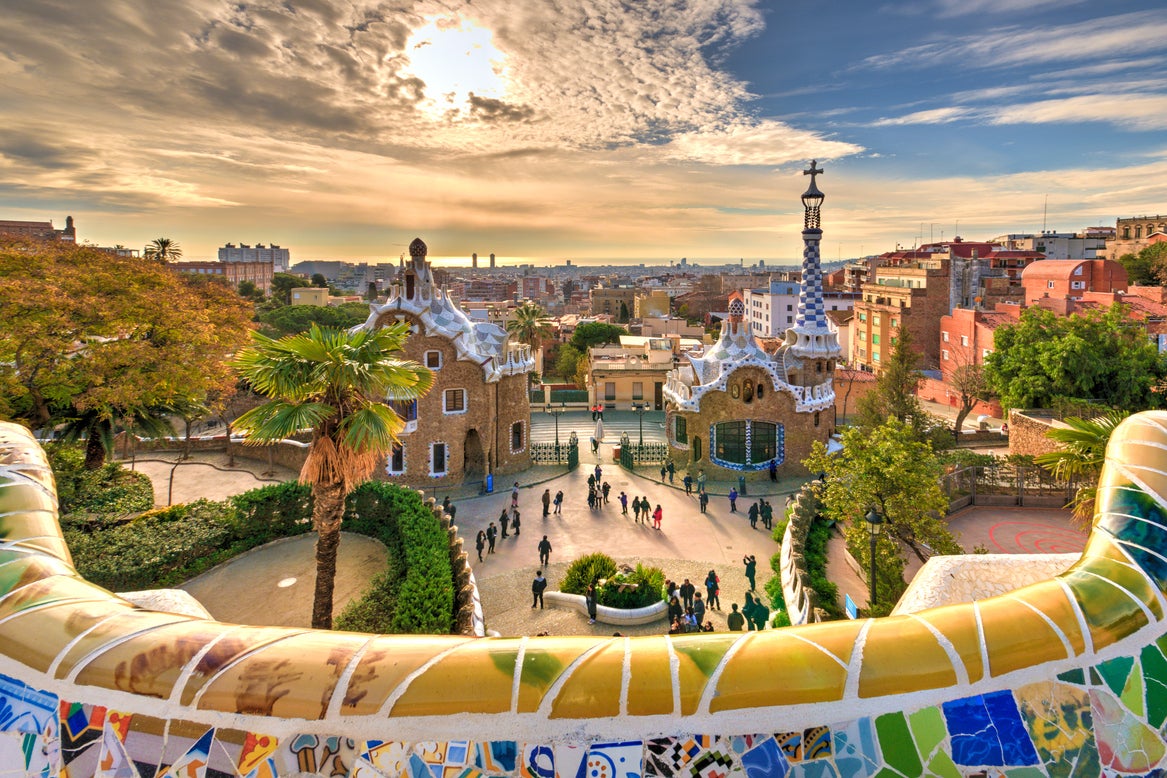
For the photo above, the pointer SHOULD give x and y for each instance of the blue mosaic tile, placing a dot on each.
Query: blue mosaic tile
(988, 731)
(496, 757)
(856, 753)
(615, 760)
(538, 762)
(765, 761)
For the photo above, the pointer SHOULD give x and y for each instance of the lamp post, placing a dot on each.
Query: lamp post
(640, 409)
(555, 413)
(874, 525)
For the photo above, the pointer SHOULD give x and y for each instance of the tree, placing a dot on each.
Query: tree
(1140, 268)
(1083, 449)
(163, 250)
(567, 361)
(332, 382)
(106, 339)
(968, 379)
(623, 312)
(290, 319)
(282, 285)
(1098, 355)
(318, 279)
(595, 333)
(894, 394)
(249, 291)
(886, 468)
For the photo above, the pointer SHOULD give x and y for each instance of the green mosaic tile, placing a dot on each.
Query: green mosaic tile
(1132, 694)
(942, 765)
(1060, 725)
(1114, 672)
(1155, 675)
(895, 741)
(1095, 678)
(1025, 772)
(929, 729)
(1076, 676)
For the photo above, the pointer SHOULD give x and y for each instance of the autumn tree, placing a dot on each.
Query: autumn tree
(109, 339)
(889, 469)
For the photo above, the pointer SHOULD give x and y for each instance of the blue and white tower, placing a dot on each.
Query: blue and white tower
(812, 336)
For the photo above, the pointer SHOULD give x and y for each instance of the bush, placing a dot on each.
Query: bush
(111, 490)
(272, 512)
(586, 570)
(815, 553)
(637, 589)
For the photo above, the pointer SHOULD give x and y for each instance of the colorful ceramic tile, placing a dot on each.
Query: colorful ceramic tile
(820, 769)
(987, 731)
(496, 757)
(81, 728)
(765, 760)
(615, 760)
(27, 710)
(239, 753)
(114, 762)
(390, 758)
(856, 752)
(671, 756)
(1154, 667)
(1125, 744)
(570, 761)
(326, 754)
(1115, 671)
(363, 769)
(715, 763)
(538, 762)
(1061, 727)
(927, 725)
(193, 763)
(895, 741)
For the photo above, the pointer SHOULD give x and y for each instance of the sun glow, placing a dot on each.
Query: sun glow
(455, 59)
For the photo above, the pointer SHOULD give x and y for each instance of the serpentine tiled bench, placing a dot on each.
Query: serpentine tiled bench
(620, 617)
(1064, 677)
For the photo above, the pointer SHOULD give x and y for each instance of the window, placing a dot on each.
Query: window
(454, 401)
(438, 459)
(1077, 284)
(1049, 284)
(1078, 270)
(517, 436)
(895, 322)
(748, 391)
(789, 319)
(761, 391)
(862, 317)
(964, 340)
(610, 391)
(875, 320)
(396, 464)
(875, 356)
(985, 353)
(816, 418)
(944, 335)
(680, 430)
(637, 390)
(433, 360)
(944, 354)
(875, 338)
(790, 307)
(746, 445)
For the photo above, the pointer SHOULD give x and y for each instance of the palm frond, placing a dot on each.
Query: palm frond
(373, 428)
(279, 419)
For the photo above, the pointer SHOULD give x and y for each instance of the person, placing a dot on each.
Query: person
(701, 480)
(449, 508)
(657, 515)
(636, 509)
(713, 591)
(675, 609)
(624, 504)
(688, 482)
(672, 469)
(491, 534)
(599, 474)
(708, 627)
(751, 570)
(675, 626)
(605, 489)
(732, 500)
(592, 497)
(670, 589)
(591, 480)
(703, 500)
(515, 495)
(735, 621)
(546, 502)
(664, 471)
(537, 587)
(645, 508)
(767, 514)
(594, 412)
(753, 515)
(480, 543)
(559, 501)
(774, 470)
(741, 485)
(691, 624)
(590, 599)
(544, 551)
(757, 614)
(515, 521)
(1005, 428)
(595, 446)
(748, 612)
(686, 592)
(600, 411)
(504, 521)
(699, 608)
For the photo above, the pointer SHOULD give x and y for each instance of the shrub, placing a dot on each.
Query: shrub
(587, 570)
(637, 589)
(111, 490)
(272, 512)
(815, 553)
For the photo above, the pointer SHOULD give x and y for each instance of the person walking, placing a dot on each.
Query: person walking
(701, 480)
(515, 496)
(688, 482)
(703, 500)
(751, 571)
(664, 471)
(449, 507)
(491, 534)
(636, 509)
(605, 489)
(480, 543)
(767, 515)
(713, 591)
(537, 587)
(687, 589)
(515, 521)
(591, 480)
(590, 601)
(559, 501)
(732, 500)
(672, 470)
(546, 502)
(544, 551)
(504, 520)
(753, 515)
(774, 470)
(624, 504)
(657, 515)
(735, 621)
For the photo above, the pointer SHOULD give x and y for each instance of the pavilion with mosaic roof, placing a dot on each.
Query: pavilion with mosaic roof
(736, 408)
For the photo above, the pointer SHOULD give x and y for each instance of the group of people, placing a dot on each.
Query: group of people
(762, 510)
(687, 608)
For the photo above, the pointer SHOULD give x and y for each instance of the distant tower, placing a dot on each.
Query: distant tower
(812, 336)
(474, 260)
(70, 232)
(492, 260)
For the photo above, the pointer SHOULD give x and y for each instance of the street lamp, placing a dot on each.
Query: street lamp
(874, 525)
(640, 408)
(555, 412)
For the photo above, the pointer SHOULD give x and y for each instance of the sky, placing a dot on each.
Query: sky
(577, 129)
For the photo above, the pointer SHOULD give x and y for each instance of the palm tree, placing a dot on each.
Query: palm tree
(1081, 455)
(530, 325)
(332, 382)
(99, 425)
(163, 250)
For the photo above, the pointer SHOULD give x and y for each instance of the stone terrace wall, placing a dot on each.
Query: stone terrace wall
(1027, 430)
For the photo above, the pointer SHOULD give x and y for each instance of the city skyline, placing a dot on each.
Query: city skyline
(589, 130)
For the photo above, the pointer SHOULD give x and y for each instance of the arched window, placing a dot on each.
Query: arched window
(517, 436)
(816, 418)
(761, 391)
(746, 445)
(748, 391)
(1138, 232)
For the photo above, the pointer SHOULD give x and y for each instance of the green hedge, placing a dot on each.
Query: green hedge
(90, 497)
(643, 586)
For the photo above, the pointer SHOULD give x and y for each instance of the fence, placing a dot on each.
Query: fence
(632, 454)
(555, 453)
(1006, 485)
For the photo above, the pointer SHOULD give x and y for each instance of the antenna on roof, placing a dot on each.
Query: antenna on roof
(1044, 213)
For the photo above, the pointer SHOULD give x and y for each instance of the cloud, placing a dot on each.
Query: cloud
(765, 142)
(931, 116)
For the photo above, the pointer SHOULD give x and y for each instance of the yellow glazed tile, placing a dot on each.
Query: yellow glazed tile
(150, 664)
(276, 681)
(112, 630)
(774, 668)
(473, 679)
(34, 637)
(650, 684)
(1016, 637)
(1131, 579)
(1050, 598)
(543, 662)
(235, 644)
(385, 665)
(958, 624)
(592, 689)
(35, 529)
(697, 657)
(1110, 613)
(901, 655)
(46, 591)
(835, 637)
(19, 569)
